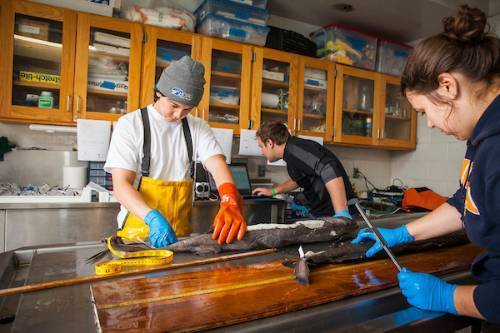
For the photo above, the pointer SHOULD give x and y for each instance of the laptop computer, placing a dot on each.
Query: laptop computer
(241, 180)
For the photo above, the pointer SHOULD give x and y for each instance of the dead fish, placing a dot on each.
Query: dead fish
(263, 236)
(339, 252)
(302, 269)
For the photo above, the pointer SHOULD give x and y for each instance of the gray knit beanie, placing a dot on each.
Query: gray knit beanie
(183, 81)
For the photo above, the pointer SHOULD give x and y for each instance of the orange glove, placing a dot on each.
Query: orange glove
(229, 221)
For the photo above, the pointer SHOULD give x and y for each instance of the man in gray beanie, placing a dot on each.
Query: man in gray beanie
(150, 158)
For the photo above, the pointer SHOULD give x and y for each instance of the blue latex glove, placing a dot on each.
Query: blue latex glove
(300, 210)
(393, 237)
(343, 213)
(161, 233)
(427, 292)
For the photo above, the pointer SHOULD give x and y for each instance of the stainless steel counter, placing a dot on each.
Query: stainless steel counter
(69, 309)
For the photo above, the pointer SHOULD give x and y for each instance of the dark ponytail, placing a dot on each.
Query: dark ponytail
(463, 47)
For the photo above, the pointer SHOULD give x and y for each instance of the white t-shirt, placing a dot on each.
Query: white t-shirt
(169, 156)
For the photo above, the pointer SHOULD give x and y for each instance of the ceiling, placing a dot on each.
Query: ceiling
(401, 20)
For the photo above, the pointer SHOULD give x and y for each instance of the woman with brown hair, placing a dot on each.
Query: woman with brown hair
(454, 79)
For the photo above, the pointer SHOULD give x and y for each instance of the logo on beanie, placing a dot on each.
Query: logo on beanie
(180, 93)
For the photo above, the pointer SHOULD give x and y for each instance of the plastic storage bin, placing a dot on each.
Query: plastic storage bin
(392, 57)
(232, 10)
(219, 26)
(346, 46)
(256, 3)
(225, 95)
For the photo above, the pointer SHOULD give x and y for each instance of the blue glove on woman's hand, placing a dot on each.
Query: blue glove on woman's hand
(393, 237)
(343, 213)
(427, 292)
(161, 233)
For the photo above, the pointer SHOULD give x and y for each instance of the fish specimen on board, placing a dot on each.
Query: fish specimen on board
(345, 251)
(270, 235)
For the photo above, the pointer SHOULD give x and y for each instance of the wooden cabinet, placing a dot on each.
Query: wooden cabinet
(398, 121)
(316, 84)
(371, 111)
(38, 53)
(274, 88)
(161, 47)
(107, 69)
(228, 73)
(356, 106)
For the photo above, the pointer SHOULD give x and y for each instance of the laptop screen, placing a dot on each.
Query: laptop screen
(241, 179)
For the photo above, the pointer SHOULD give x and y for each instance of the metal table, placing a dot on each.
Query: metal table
(70, 309)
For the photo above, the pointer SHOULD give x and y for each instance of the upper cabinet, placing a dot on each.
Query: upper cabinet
(107, 69)
(315, 98)
(37, 62)
(274, 88)
(355, 106)
(397, 118)
(58, 65)
(226, 101)
(161, 47)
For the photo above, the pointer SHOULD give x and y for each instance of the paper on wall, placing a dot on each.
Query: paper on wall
(93, 138)
(225, 139)
(248, 143)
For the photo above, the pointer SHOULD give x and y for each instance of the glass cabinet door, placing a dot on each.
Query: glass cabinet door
(315, 98)
(357, 106)
(108, 61)
(41, 67)
(227, 96)
(161, 48)
(397, 115)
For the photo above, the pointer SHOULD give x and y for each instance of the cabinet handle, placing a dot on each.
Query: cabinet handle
(75, 114)
(383, 133)
(196, 112)
(250, 124)
(299, 125)
(68, 103)
(378, 134)
(295, 124)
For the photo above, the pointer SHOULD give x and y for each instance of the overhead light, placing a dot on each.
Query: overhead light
(343, 7)
(52, 129)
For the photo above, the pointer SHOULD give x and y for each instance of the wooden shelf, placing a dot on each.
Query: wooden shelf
(226, 75)
(106, 92)
(314, 116)
(116, 57)
(315, 89)
(274, 83)
(37, 49)
(358, 111)
(275, 111)
(220, 105)
(397, 118)
(40, 85)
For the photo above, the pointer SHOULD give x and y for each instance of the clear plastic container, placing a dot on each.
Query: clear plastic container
(392, 57)
(347, 46)
(219, 26)
(256, 3)
(225, 95)
(232, 10)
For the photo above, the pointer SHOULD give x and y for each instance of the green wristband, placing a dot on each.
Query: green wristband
(273, 191)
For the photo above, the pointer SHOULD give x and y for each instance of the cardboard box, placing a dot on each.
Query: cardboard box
(32, 28)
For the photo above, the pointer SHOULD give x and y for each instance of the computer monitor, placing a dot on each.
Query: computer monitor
(240, 176)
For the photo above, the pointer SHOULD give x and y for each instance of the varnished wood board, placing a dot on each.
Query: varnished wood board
(230, 294)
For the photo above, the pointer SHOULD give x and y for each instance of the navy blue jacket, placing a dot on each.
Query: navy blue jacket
(311, 166)
(478, 200)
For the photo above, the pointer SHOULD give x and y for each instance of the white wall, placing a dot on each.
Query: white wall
(435, 163)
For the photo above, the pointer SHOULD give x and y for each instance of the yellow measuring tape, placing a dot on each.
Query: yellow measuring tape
(132, 259)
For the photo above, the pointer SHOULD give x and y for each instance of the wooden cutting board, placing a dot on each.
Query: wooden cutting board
(231, 293)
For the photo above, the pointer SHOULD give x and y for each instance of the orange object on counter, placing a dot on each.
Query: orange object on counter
(423, 198)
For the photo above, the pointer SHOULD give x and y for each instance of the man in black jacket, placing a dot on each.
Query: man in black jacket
(310, 166)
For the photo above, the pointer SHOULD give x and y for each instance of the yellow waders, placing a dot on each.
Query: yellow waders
(173, 199)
